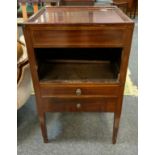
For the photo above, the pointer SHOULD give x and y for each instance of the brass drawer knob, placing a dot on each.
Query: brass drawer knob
(78, 105)
(78, 92)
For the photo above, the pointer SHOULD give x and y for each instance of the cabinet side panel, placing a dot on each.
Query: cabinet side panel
(33, 64)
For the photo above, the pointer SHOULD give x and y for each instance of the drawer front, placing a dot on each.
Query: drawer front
(76, 104)
(78, 37)
(78, 90)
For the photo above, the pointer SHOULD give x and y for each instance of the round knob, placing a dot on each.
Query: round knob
(78, 105)
(78, 92)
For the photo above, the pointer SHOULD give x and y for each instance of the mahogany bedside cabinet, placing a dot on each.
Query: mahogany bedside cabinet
(78, 58)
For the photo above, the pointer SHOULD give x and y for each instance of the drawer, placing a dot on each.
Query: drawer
(78, 36)
(76, 104)
(49, 90)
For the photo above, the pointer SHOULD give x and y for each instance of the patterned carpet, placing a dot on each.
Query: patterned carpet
(130, 88)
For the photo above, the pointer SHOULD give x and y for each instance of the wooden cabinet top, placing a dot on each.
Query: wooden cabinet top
(79, 15)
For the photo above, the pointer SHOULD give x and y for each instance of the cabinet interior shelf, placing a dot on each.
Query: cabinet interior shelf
(76, 65)
(77, 71)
